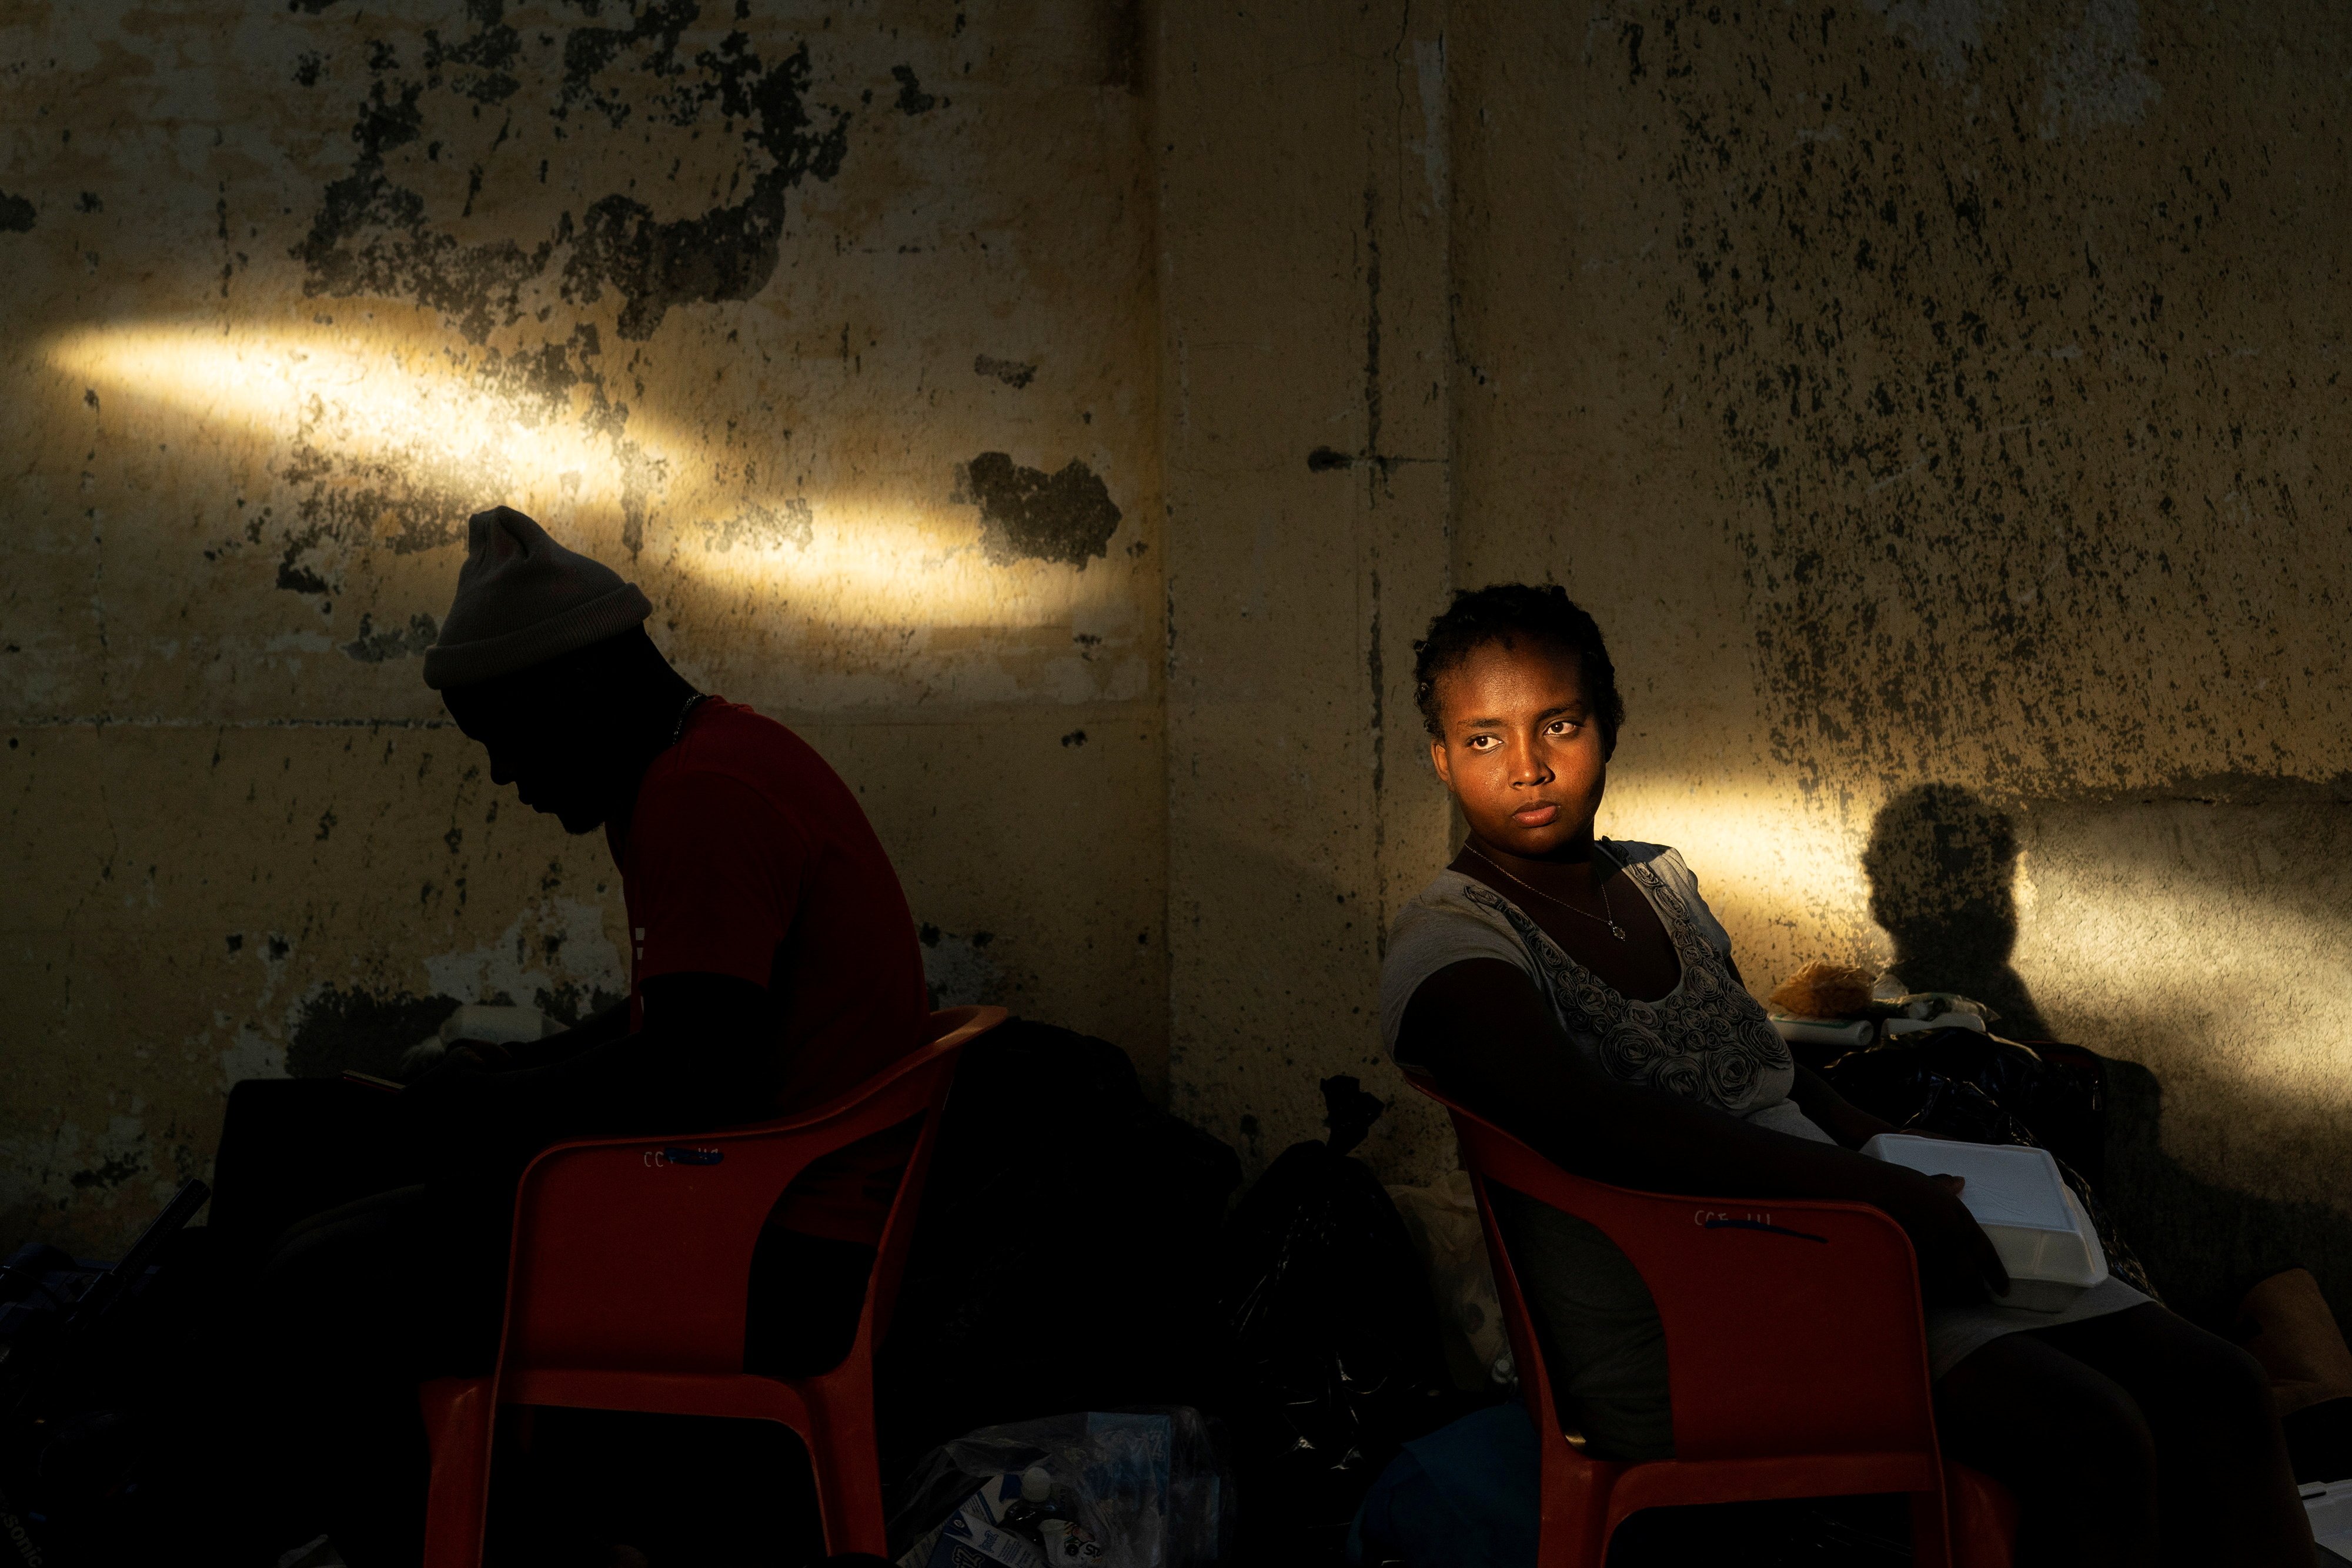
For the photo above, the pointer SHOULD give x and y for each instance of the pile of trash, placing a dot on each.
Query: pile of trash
(1132, 1488)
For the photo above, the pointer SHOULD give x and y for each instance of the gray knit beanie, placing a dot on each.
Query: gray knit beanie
(522, 599)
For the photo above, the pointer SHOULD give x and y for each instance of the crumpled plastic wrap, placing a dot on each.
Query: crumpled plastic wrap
(1144, 1488)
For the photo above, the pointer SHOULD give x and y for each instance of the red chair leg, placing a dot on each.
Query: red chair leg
(459, 1417)
(1592, 1540)
(1931, 1529)
(1576, 1522)
(1984, 1518)
(849, 1496)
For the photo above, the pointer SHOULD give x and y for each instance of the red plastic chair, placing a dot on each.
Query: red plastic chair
(1796, 1359)
(628, 1284)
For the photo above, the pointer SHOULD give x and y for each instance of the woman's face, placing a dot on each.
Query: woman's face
(1521, 752)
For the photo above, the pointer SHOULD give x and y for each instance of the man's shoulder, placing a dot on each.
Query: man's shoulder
(731, 740)
(726, 750)
(719, 728)
(731, 753)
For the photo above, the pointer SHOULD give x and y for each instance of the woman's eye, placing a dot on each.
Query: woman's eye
(1563, 726)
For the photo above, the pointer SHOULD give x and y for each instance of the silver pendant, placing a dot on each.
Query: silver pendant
(1617, 931)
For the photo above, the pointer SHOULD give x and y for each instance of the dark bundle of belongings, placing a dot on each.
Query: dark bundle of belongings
(1061, 1261)
(1334, 1359)
(80, 1347)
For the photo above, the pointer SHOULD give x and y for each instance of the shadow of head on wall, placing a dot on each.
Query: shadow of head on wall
(1942, 864)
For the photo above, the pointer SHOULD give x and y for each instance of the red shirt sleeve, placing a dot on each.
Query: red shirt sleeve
(713, 879)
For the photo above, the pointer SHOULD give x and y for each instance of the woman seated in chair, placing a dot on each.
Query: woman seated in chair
(1578, 991)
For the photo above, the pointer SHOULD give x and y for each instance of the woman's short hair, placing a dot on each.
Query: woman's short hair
(1507, 613)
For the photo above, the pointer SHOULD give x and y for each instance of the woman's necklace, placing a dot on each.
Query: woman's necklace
(1610, 919)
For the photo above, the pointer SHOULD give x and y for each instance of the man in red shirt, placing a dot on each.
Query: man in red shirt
(772, 960)
(774, 966)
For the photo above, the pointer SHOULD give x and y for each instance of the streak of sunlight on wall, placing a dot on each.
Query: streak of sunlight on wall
(1784, 875)
(2274, 983)
(384, 394)
(877, 562)
(2242, 1007)
(864, 560)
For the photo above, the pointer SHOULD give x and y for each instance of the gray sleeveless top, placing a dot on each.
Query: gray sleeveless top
(1707, 1040)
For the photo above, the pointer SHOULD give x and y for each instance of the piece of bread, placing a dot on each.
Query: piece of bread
(1823, 990)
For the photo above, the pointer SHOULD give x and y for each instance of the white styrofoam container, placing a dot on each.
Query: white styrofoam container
(2330, 1511)
(2045, 1242)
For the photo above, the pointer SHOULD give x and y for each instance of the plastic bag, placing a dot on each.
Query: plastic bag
(1141, 1488)
(1442, 1221)
(1335, 1340)
(2055, 1093)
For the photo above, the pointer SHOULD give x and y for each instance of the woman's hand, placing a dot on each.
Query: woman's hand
(1957, 1263)
(1833, 1113)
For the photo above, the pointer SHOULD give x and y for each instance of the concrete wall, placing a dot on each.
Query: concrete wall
(1305, 378)
(739, 298)
(1939, 405)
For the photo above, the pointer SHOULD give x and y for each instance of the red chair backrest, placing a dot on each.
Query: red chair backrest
(1790, 1328)
(604, 1276)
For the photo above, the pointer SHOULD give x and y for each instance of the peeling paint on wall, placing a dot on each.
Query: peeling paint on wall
(336, 1030)
(556, 957)
(371, 235)
(409, 642)
(1013, 374)
(72, 1167)
(763, 526)
(1028, 513)
(912, 99)
(959, 970)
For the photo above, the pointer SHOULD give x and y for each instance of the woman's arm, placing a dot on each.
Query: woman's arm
(1482, 1030)
(1833, 1113)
